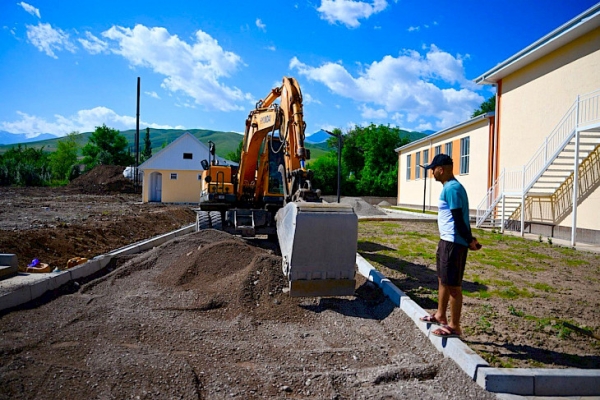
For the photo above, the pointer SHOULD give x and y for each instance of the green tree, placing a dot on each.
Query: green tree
(65, 157)
(24, 166)
(487, 106)
(236, 156)
(106, 146)
(369, 162)
(147, 152)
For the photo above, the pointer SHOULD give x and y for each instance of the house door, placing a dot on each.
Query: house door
(156, 187)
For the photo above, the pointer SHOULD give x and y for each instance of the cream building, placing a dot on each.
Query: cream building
(173, 175)
(544, 154)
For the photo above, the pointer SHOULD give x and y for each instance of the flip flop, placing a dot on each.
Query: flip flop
(430, 319)
(445, 332)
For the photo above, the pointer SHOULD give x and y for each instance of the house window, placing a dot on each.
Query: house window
(199, 177)
(425, 157)
(465, 144)
(417, 163)
(174, 176)
(438, 150)
(187, 156)
(448, 150)
(408, 157)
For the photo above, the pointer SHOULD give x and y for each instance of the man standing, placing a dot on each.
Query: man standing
(455, 241)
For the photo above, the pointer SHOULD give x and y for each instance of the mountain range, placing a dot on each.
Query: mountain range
(14, 138)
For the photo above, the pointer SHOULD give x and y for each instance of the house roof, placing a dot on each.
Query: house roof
(193, 145)
(461, 125)
(578, 26)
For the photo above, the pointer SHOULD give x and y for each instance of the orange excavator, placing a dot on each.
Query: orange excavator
(270, 193)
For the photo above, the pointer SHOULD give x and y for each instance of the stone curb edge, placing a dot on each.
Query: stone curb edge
(39, 284)
(519, 381)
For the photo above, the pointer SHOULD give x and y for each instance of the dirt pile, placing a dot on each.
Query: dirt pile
(361, 207)
(103, 179)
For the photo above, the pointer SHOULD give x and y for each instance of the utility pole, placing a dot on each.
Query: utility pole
(137, 138)
(425, 185)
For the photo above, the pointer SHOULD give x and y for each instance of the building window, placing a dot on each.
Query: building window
(187, 156)
(465, 144)
(438, 150)
(408, 157)
(199, 177)
(425, 157)
(174, 176)
(417, 168)
(448, 149)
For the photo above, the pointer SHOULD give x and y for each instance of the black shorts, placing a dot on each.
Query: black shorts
(450, 261)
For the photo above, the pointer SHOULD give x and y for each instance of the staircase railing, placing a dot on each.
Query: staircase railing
(584, 111)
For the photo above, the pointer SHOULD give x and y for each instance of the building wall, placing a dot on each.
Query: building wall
(411, 192)
(534, 100)
(184, 189)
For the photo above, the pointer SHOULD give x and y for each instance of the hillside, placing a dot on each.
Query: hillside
(225, 142)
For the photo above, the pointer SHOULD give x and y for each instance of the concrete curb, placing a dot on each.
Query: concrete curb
(24, 288)
(518, 381)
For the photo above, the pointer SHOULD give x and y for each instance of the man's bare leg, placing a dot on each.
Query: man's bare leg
(443, 298)
(456, 299)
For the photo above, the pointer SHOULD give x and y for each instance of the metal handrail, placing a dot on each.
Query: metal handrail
(585, 110)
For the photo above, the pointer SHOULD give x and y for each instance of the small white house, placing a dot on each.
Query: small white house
(173, 175)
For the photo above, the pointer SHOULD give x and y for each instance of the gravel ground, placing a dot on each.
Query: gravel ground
(204, 316)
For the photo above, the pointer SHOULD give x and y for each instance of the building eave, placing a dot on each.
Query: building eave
(578, 26)
(461, 125)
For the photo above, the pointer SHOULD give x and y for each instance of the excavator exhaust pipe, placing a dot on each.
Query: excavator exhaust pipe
(318, 243)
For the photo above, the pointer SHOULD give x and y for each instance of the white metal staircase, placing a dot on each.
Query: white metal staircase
(552, 168)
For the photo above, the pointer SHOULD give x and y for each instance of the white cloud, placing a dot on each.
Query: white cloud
(348, 12)
(153, 94)
(30, 9)
(260, 25)
(432, 85)
(82, 121)
(48, 39)
(414, 28)
(272, 48)
(193, 69)
(93, 44)
(371, 113)
(308, 99)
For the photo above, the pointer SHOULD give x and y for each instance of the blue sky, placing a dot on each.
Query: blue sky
(71, 65)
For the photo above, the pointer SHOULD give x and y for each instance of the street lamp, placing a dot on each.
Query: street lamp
(425, 186)
(339, 139)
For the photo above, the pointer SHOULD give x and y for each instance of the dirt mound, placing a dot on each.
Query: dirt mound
(361, 207)
(218, 271)
(103, 179)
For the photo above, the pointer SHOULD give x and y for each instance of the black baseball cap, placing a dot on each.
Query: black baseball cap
(440, 160)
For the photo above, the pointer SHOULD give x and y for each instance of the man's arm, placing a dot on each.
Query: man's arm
(459, 225)
(463, 230)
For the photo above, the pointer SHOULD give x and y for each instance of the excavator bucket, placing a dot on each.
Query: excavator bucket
(318, 244)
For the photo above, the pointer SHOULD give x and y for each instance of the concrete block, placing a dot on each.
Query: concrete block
(414, 312)
(88, 268)
(9, 265)
(506, 380)
(40, 287)
(566, 382)
(467, 359)
(16, 297)
(9, 260)
(59, 278)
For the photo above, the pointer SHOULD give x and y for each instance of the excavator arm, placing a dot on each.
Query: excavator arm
(274, 194)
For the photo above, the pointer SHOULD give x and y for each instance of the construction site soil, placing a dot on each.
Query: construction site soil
(201, 316)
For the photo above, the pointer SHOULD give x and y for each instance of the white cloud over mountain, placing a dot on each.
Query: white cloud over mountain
(82, 121)
(432, 85)
(190, 68)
